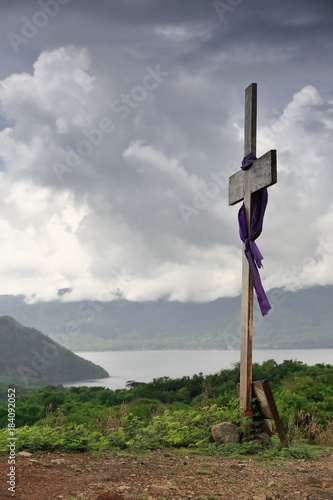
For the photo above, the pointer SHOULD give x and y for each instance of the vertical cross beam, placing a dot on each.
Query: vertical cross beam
(250, 140)
(242, 184)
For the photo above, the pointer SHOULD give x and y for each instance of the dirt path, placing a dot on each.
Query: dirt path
(165, 475)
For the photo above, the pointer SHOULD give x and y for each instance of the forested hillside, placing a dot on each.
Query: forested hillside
(166, 412)
(301, 319)
(29, 357)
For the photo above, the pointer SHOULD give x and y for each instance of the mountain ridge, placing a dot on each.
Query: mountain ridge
(29, 357)
(299, 319)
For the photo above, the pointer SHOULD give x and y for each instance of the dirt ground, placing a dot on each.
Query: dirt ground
(165, 475)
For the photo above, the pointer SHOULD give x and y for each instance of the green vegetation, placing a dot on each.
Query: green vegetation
(28, 358)
(174, 413)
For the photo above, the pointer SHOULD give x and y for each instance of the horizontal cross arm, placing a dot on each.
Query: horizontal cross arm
(263, 173)
(236, 187)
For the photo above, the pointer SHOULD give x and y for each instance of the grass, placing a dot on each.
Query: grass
(271, 452)
(185, 429)
(304, 426)
(206, 465)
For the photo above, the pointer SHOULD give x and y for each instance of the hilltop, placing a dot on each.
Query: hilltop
(170, 474)
(153, 440)
(29, 357)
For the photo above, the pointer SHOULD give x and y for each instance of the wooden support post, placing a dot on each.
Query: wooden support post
(263, 392)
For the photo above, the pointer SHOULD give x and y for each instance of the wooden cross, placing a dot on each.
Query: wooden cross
(261, 174)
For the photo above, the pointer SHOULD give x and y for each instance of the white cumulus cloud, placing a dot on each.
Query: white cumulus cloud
(140, 209)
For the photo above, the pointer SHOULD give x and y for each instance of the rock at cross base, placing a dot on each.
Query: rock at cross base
(26, 454)
(107, 495)
(226, 432)
(261, 438)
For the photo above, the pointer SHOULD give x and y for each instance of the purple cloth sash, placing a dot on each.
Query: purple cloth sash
(252, 252)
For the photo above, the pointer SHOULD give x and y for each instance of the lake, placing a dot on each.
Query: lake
(144, 366)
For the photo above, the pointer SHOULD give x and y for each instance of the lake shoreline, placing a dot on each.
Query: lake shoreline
(146, 365)
(202, 349)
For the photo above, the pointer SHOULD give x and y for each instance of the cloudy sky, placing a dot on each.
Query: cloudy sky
(120, 123)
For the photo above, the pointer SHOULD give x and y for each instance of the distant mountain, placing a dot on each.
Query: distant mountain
(28, 357)
(300, 319)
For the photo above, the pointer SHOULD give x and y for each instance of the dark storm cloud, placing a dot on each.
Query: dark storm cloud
(138, 165)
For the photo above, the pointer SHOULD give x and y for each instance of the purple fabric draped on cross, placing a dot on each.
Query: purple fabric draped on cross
(252, 252)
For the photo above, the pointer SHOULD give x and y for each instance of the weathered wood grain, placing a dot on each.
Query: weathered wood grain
(250, 139)
(262, 173)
